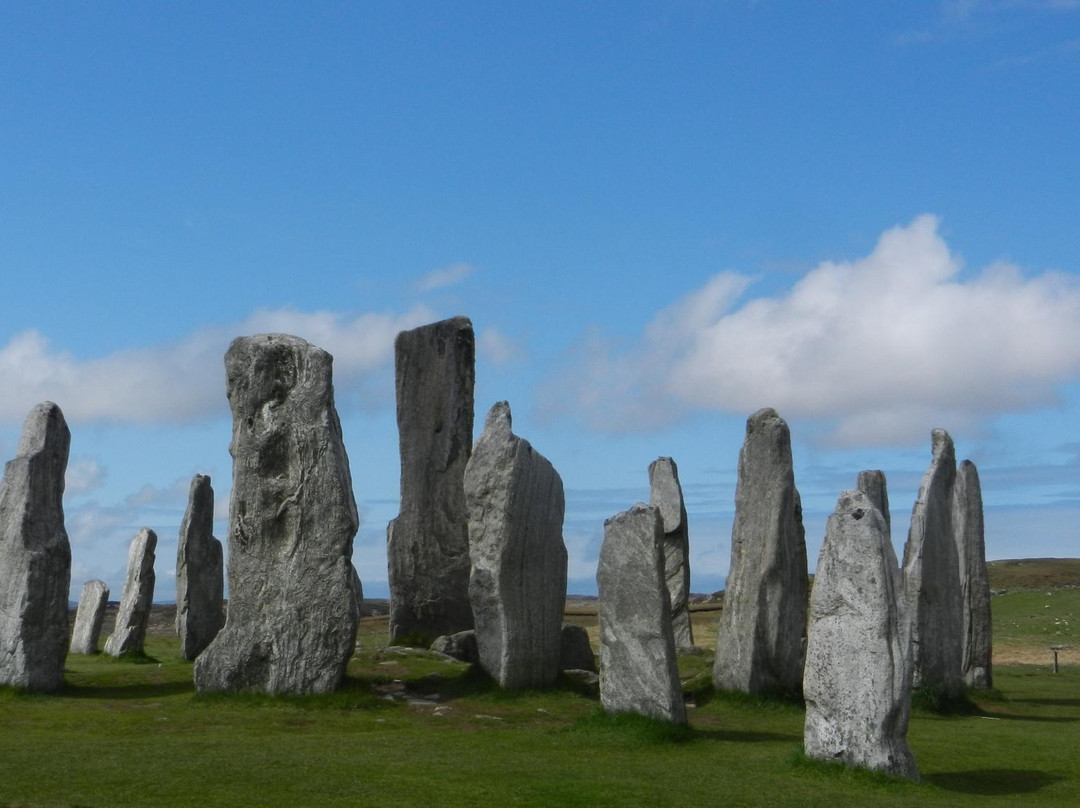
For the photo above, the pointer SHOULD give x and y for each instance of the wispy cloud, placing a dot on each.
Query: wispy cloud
(874, 351)
(84, 474)
(443, 277)
(498, 348)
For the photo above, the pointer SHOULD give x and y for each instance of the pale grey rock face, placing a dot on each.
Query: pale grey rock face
(292, 612)
(518, 583)
(576, 653)
(88, 617)
(428, 543)
(460, 645)
(666, 494)
(759, 646)
(200, 572)
(638, 672)
(932, 575)
(35, 556)
(858, 651)
(137, 597)
(872, 483)
(976, 631)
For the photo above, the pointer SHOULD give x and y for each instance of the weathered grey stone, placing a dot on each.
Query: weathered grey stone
(200, 572)
(638, 672)
(137, 597)
(872, 483)
(976, 631)
(666, 494)
(518, 583)
(293, 609)
(576, 653)
(759, 645)
(427, 549)
(932, 575)
(35, 556)
(460, 646)
(858, 649)
(88, 617)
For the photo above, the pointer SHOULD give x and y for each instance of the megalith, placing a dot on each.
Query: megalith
(638, 672)
(200, 572)
(427, 546)
(872, 483)
(88, 617)
(976, 631)
(293, 606)
(858, 647)
(517, 587)
(665, 493)
(35, 556)
(576, 653)
(759, 645)
(137, 597)
(932, 575)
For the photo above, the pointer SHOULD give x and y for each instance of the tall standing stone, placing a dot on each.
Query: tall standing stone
(638, 672)
(292, 613)
(138, 595)
(518, 583)
(200, 572)
(88, 617)
(976, 629)
(427, 545)
(666, 495)
(932, 575)
(872, 483)
(759, 646)
(858, 648)
(35, 556)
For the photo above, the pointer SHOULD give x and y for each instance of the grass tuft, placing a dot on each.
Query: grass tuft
(637, 729)
(836, 771)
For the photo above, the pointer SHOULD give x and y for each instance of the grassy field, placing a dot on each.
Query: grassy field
(413, 729)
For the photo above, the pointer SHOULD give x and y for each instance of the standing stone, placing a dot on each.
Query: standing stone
(872, 483)
(518, 583)
(200, 573)
(932, 576)
(759, 645)
(35, 556)
(293, 605)
(88, 617)
(638, 672)
(974, 582)
(666, 494)
(427, 545)
(138, 595)
(576, 653)
(858, 647)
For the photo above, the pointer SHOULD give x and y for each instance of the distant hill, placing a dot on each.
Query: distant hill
(1033, 573)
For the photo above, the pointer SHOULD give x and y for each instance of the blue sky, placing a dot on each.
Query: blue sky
(660, 217)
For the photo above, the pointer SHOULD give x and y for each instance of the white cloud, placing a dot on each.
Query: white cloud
(185, 380)
(878, 349)
(497, 348)
(83, 474)
(443, 277)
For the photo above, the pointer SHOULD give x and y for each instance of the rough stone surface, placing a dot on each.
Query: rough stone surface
(759, 646)
(137, 597)
(932, 575)
(518, 583)
(858, 649)
(200, 572)
(293, 605)
(976, 631)
(872, 483)
(35, 556)
(88, 617)
(576, 653)
(427, 546)
(460, 645)
(666, 494)
(638, 672)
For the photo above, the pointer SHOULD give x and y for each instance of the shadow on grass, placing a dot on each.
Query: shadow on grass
(771, 701)
(997, 782)
(1036, 719)
(1050, 702)
(138, 690)
(351, 694)
(642, 730)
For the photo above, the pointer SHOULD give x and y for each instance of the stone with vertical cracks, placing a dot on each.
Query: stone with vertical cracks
(427, 544)
(666, 494)
(932, 575)
(858, 650)
(137, 597)
(293, 605)
(35, 556)
(88, 617)
(872, 483)
(638, 672)
(759, 646)
(200, 572)
(517, 587)
(976, 632)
